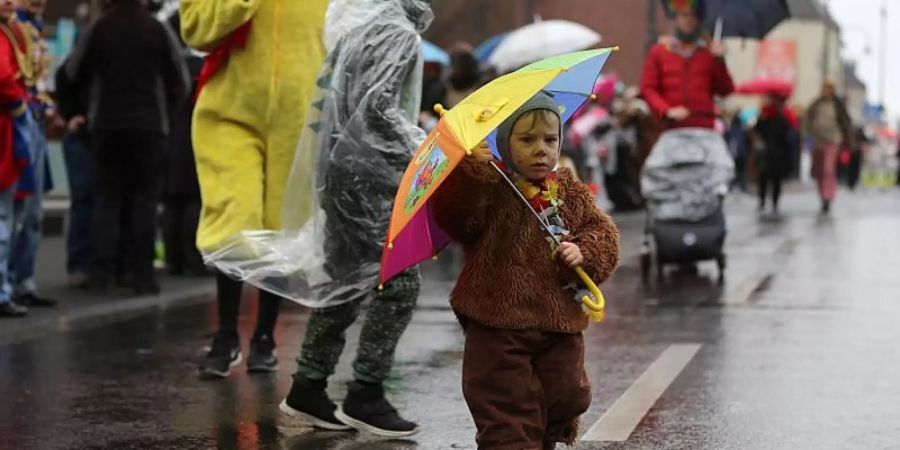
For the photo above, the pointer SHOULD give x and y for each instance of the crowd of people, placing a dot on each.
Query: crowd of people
(125, 85)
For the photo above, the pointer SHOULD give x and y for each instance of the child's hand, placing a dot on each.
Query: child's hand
(482, 153)
(570, 254)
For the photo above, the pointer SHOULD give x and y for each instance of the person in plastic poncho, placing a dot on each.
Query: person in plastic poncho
(264, 55)
(366, 135)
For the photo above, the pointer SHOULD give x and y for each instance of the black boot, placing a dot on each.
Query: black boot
(366, 409)
(309, 401)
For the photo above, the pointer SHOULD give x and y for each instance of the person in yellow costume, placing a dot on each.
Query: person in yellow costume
(264, 57)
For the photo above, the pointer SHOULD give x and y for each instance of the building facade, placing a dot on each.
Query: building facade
(625, 23)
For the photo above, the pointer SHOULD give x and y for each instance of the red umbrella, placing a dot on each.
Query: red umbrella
(780, 88)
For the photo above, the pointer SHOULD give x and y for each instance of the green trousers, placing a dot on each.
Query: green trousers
(389, 314)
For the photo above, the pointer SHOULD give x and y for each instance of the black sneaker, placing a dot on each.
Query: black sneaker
(309, 401)
(10, 309)
(34, 300)
(366, 409)
(262, 355)
(224, 354)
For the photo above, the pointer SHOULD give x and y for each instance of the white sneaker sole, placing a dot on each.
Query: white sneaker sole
(206, 371)
(315, 421)
(362, 426)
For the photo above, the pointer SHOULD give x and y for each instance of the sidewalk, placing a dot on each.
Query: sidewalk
(81, 308)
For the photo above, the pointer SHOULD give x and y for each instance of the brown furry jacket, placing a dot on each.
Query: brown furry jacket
(509, 279)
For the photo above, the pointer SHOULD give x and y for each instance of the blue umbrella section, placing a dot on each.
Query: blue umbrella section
(486, 49)
(434, 54)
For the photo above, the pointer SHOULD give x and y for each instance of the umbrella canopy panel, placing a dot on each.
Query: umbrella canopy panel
(746, 18)
(541, 40)
(433, 53)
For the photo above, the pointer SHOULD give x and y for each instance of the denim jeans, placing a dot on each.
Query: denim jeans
(27, 221)
(6, 225)
(79, 167)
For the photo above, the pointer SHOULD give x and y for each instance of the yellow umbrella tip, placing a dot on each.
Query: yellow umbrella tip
(439, 108)
(616, 48)
(593, 96)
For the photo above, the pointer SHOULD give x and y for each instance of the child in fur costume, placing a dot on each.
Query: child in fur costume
(523, 366)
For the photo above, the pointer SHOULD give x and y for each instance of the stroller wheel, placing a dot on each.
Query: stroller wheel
(721, 260)
(660, 270)
(646, 263)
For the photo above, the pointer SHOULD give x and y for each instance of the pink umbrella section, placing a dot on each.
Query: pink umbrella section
(421, 239)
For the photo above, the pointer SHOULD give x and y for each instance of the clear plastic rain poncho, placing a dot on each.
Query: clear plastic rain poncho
(359, 137)
(686, 175)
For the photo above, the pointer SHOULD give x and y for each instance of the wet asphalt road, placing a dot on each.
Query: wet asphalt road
(797, 349)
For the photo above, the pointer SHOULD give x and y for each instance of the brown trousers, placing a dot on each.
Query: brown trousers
(525, 388)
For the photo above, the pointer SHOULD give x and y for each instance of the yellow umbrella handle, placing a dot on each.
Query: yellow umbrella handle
(598, 303)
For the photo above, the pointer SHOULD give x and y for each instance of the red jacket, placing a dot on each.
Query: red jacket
(671, 80)
(12, 96)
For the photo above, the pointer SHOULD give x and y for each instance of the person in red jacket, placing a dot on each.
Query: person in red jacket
(13, 110)
(684, 72)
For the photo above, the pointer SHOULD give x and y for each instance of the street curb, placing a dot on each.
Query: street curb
(107, 312)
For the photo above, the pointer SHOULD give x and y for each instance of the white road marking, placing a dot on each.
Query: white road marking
(744, 291)
(626, 413)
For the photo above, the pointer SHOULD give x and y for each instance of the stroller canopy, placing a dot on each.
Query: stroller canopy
(687, 174)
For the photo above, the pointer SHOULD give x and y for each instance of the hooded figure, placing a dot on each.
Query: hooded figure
(254, 90)
(359, 136)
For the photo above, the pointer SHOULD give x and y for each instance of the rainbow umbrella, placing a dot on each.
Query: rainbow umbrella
(414, 235)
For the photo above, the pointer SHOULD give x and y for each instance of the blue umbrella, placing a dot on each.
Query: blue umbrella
(434, 54)
(486, 49)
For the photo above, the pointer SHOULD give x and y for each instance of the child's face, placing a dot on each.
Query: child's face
(534, 144)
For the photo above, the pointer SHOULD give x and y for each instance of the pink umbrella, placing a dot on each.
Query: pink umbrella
(780, 88)
(605, 89)
(590, 118)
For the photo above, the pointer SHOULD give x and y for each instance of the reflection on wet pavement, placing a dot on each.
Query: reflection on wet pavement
(799, 350)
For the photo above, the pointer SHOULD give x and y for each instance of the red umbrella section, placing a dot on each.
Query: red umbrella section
(780, 88)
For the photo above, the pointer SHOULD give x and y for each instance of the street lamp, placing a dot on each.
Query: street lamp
(883, 58)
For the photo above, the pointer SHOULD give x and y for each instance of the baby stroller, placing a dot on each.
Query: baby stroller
(684, 180)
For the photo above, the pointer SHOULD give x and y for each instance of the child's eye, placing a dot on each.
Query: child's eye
(526, 140)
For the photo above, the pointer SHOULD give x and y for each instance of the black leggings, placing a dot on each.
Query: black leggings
(230, 305)
(765, 180)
